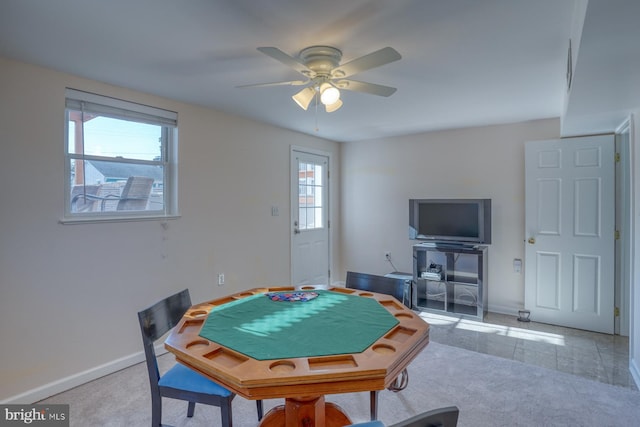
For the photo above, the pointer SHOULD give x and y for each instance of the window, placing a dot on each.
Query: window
(310, 195)
(120, 159)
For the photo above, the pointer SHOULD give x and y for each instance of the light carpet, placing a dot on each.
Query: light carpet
(489, 391)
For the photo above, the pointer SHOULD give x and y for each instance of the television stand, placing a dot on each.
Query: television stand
(450, 279)
(448, 245)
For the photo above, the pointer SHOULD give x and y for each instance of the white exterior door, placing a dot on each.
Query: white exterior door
(570, 220)
(309, 218)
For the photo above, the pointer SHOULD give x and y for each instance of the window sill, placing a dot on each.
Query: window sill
(105, 219)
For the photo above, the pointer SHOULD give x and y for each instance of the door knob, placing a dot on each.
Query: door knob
(296, 231)
(532, 240)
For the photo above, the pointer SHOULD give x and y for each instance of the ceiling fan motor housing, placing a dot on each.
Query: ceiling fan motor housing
(321, 59)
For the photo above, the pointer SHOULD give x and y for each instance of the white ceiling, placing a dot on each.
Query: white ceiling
(464, 62)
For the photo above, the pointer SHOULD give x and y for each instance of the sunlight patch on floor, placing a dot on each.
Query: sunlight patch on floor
(489, 328)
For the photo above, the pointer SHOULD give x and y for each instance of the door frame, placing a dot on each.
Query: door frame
(293, 189)
(623, 245)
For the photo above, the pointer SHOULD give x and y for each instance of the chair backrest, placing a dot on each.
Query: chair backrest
(380, 284)
(135, 194)
(156, 321)
(82, 203)
(441, 417)
(110, 194)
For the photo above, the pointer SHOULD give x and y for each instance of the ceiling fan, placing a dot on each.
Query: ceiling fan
(325, 76)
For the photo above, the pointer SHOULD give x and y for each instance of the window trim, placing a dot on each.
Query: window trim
(123, 110)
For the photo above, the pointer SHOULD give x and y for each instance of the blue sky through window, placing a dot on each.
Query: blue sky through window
(109, 137)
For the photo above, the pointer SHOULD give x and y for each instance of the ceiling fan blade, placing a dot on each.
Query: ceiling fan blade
(370, 88)
(372, 60)
(287, 60)
(289, 83)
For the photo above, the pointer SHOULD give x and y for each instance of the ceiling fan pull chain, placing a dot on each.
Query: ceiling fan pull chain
(317, 128)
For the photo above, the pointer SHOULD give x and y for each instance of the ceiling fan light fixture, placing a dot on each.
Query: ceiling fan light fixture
(333, 107)
(304, 97)
(329, 94)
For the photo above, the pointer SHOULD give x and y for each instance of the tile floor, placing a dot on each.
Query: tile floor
(592, 355)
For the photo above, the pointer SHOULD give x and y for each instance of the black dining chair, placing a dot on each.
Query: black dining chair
(400, 290)
(441, 417)
(179, 382)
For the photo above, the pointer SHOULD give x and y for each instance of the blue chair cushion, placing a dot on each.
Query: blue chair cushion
(182, 378)
(374, 423)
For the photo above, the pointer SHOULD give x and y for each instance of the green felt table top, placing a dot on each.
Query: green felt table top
(333, 323)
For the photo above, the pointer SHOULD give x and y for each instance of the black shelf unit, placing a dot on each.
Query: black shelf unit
(450, 279)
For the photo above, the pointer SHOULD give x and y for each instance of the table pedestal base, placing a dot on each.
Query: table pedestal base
(306, 412)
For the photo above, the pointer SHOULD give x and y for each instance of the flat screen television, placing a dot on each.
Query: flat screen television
(459, 221)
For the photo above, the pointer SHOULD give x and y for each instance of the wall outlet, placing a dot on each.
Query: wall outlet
(220, 279)
(517, 265)
(387, 255)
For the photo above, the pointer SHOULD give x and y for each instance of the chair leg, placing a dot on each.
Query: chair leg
(259, 406)
(156, 411)
(374, 404)
(225, 413)
(190, 409)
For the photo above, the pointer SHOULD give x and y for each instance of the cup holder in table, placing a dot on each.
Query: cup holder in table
(198, 313)
(282, 366)
(384, 349)
(198, 343)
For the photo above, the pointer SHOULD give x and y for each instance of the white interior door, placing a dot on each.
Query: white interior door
(570, 220)
(309, 218)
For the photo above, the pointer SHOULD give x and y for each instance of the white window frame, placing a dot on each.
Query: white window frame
(76, 100)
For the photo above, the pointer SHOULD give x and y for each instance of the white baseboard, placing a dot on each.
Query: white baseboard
(63, 384)
(635, 371)
(503, 309)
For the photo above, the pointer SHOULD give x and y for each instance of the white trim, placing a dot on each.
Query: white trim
(635, 371)
(310, 151)
(624, 216)
(504, 309)
(634, 333)
(67, 383)
(104, 219)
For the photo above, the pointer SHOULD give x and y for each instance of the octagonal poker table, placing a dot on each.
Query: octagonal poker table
(300, 345)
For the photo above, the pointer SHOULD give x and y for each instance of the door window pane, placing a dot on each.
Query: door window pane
(310, 176)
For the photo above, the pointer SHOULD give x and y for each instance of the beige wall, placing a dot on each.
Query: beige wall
(69, 293)
(380, 176)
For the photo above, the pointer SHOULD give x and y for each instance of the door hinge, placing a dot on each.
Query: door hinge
(616, 312)
(617, 235)
(617, 157)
